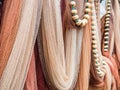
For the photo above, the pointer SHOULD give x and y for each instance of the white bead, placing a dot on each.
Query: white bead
(83, 23)
(79, 22)
(107, 29)
(95, 50)
(98, 68)
(85, 20)
(93, 22)
(107, 22)
(101, 74)
(96, 60)
(96, 55)
(107, 19)
(93, 18)
(88, 5)
(98, 72)
(74, 11)
(108, 15)
(103, 62)
(73, 3)
(88, 10)
(93, 32)
(86, 16)
(106, 37)
(106, 49)
(94, 37)
(93, 27)
(106, 33)
(75, 17)
(108, 12)
(94, 41)
(97, 64)
(106, 42)
(109, 1)
(106, 46)
(108, 4)
(108, 8)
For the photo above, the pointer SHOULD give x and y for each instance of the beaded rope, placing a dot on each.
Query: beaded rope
(97, 9)
(107, 26)
(99, 65)
(75, 17)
